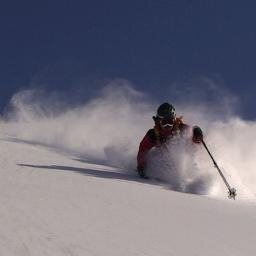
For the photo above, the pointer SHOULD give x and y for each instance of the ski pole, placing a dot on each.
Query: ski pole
(231, 191)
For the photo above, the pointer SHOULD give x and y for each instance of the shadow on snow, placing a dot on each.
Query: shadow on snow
(105, 174)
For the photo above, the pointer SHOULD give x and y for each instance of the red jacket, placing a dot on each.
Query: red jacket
(156, 137)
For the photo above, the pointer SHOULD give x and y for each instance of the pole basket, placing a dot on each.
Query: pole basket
(232, 193)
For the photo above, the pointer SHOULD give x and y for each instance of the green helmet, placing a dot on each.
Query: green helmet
(165, 110)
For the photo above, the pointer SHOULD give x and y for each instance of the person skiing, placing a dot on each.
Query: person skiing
(167, 126)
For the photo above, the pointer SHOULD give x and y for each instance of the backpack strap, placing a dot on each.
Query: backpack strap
(157, 135)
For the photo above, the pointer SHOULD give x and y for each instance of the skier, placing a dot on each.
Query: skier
(167, 126)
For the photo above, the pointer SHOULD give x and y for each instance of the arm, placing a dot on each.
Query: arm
(145, 145)
(197, 134)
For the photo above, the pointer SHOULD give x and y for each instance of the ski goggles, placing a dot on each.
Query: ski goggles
(167, 123)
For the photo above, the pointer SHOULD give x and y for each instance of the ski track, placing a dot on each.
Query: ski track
(52, 204)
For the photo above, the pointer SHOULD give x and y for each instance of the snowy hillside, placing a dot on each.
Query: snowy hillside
(68, 185)
(54, 204)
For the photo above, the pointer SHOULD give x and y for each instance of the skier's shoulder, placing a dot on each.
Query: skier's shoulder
(151, 134)
(180, 124)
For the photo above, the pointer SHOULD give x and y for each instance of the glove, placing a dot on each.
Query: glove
(141, 172)
(197, 134)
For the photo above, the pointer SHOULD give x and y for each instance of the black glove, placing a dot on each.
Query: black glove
(197, 134)
(141, 172)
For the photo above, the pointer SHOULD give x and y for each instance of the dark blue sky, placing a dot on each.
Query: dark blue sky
(64, 44)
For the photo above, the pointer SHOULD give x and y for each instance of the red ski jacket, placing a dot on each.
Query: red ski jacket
(156, 137)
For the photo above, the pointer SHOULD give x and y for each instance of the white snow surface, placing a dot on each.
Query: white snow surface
(52, 203)
(61, 195)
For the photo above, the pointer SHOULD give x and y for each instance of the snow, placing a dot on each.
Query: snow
(52, 203)
(60, 193)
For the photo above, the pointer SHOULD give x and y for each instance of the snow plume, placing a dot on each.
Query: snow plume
(104, 129)
(108, 128)
(229, 138)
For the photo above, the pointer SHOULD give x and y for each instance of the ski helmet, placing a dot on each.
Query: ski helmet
(165, 110)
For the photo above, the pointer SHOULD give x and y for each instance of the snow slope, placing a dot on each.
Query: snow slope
(54, 204)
